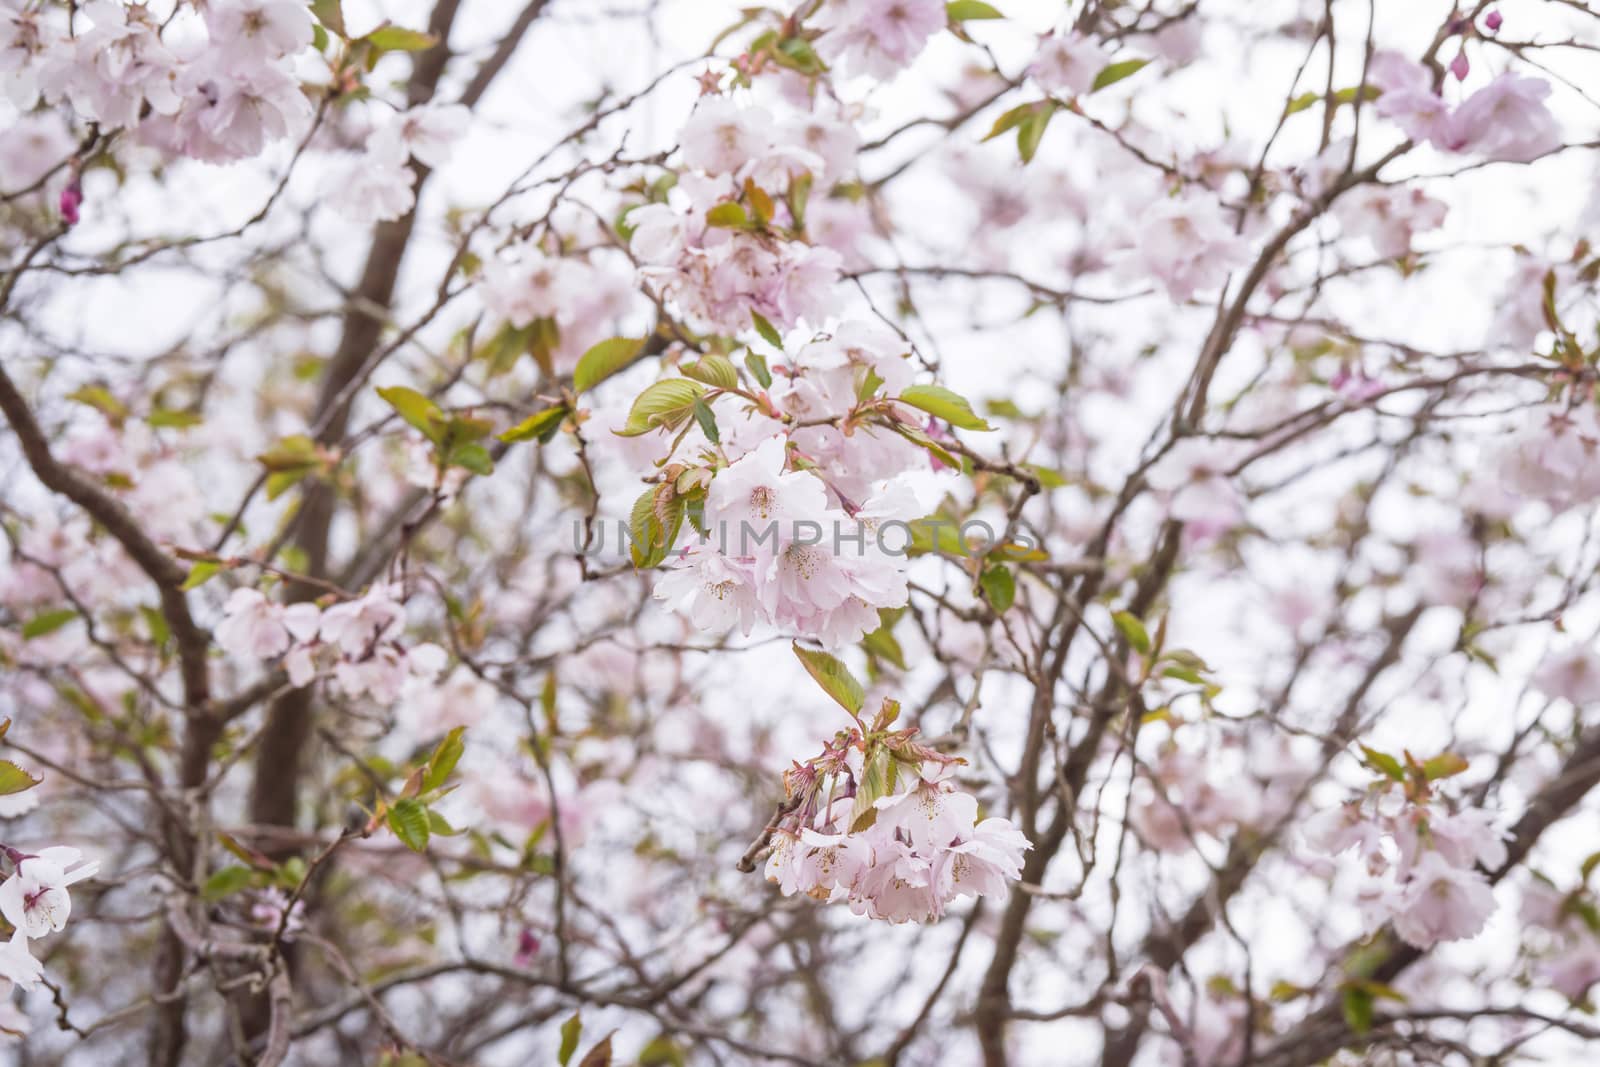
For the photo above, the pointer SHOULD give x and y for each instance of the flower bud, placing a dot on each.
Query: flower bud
(71, 201)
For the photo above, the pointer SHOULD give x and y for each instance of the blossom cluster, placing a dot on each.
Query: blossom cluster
(35, 901)
(579, 301)
(378, 184)
(1213, 794)
(1570, 962)
(358, 636)
(900, 856)
(730, 243)
(1426, 861)
(778, 550)
(216, 87)
(1504, 120)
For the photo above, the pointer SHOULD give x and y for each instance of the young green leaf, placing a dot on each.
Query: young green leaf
(226, 881)
(605, 359)
(14, 779)
(707, 420)
(417, 410)
(571, 1032)
(968, 10)
(1115, 72)
(999, 587)
(757, 367)
(1133, 631)
(199, 574)
(728, 215)
(1030, 132)
(473, 457)
(409, 821)
(769, 333)
(1383, 763)
(541, 424)
(400, 39)
(47, 622)
(944, 404)
(834, 677)
(715, 370)
(665, 403)
(444, 759)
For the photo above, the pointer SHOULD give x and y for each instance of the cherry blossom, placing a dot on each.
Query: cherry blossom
(878, 37)
(1067, 63)
(35, 899)
(1441, 902)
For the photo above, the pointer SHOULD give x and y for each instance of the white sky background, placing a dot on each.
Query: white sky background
(577, 50)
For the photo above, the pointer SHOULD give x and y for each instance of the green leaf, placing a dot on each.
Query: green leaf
(796, 53)
(400, 39)
(1383, 763)
(653, 525)
(769, 333)
(439, 826)
(14, 779)
(409, 821)
(967, 10)
(1011, 119)
(331, 14)
(944, 404)
(605, 359)
(444, 759)
(1030, 133)
(917, 437)
(729, 215)
(295, 452)
(1133, 631)
(571, 1032)
(474, 457)
(707, 420)
(156, 623)
(47, 622)
(999, 587)
(1301, 103)
(199, 574)
(280, 482)
(1049, 477)
(758, 369)
(541, 424)
(662, 1051)
(834, 677)
(1357, 1009)
(1443, 765)
(667, 403)
(877, 781)
(168, 418)
(715, 370)
(228, 880)
(100, 398)
(1115, 72)
(882, 644)
(418, 410)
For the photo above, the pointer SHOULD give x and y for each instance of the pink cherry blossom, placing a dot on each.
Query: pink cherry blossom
(878, 37)
(1067, 63)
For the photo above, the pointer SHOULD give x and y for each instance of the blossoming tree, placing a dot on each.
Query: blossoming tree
(848, 532)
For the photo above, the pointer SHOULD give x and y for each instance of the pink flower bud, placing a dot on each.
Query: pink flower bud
(1493, 22)
(71, 201)
(1459, 66)
(527, 948)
